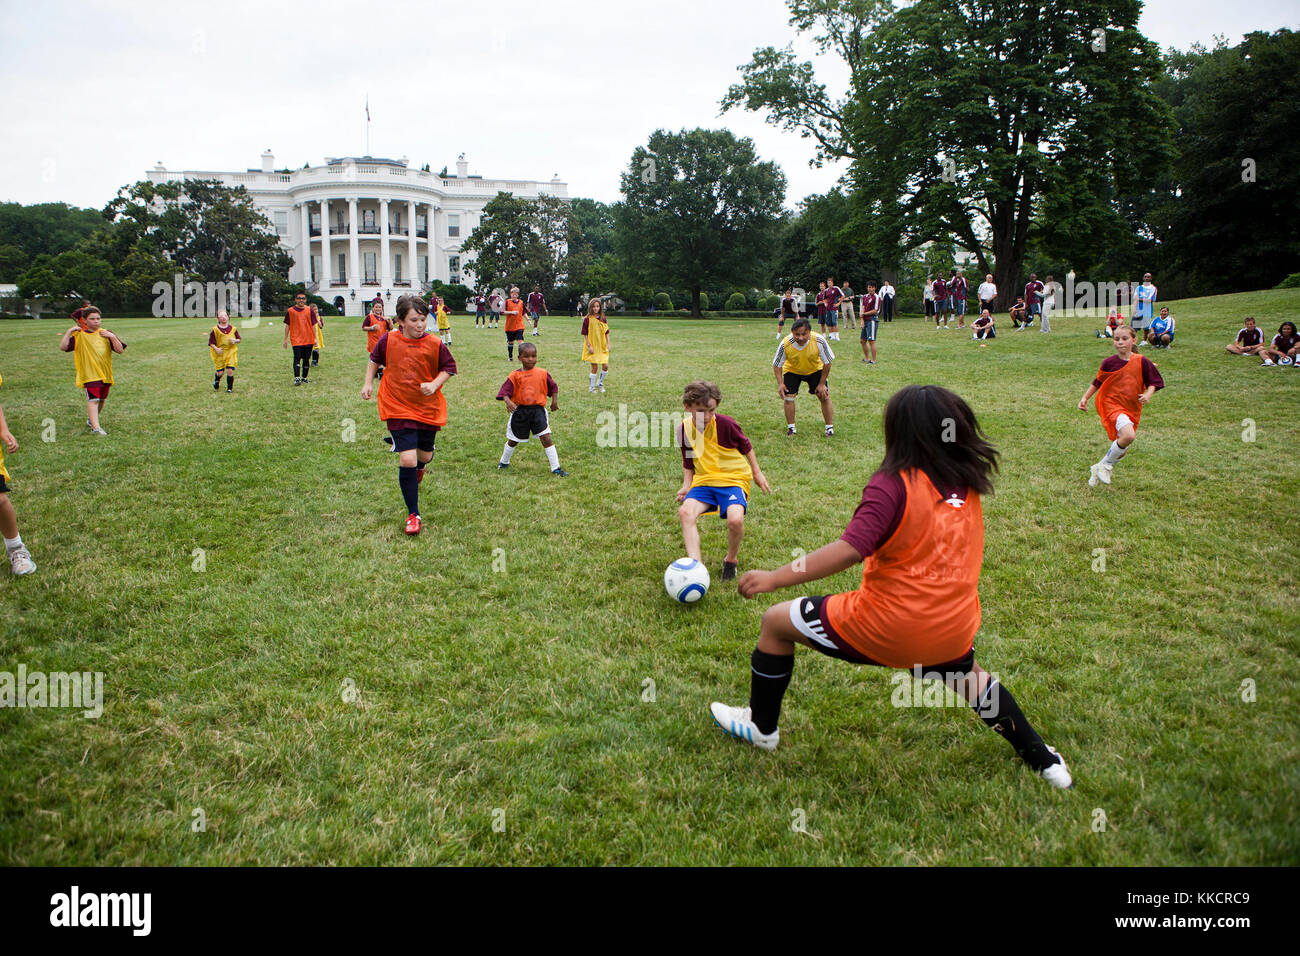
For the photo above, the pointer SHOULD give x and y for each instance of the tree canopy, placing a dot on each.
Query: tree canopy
(698, 206)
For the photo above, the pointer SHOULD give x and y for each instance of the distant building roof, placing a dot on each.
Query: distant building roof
(366, 160)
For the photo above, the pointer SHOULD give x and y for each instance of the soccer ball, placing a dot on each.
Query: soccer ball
(1284, 360)
(686, 580)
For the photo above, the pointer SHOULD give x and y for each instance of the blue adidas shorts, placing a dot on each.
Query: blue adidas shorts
(719, 499)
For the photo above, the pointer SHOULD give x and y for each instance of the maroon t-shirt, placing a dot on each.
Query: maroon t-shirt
(1150, 374)
(881, 510)
(1285, 343)
(940, 289)
(870, 304)
(1032, 289)
(1249, 337)
(536, 303)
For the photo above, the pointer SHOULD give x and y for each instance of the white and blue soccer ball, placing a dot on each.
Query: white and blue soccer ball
(686, 580)
(1285, 360)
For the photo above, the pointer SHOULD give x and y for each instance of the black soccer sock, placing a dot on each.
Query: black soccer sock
(410, 485)
(769, 677)
(999, 710)
(216, 380)
(230, 383)
(510, 350)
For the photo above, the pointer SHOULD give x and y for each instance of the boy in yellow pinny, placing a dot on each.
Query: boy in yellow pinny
(92, 349)
(223, 342)
(19, 557)
(320, 336)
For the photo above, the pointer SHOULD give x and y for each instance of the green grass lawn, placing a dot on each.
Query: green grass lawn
(526, 693)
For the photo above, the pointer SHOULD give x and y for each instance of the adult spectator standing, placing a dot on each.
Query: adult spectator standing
(1250, 339)
(927, 295)
(833, 296)
(987, 293)
(1049, 303)
(846, 306)
(886, 302)
(1033, 300)
(1144, 299)
(957, 296)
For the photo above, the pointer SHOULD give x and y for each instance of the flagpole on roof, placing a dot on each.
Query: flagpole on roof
(367, 124)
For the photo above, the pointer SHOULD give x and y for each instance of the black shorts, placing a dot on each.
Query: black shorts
(516, 336)
(404, 439)
(806, 615)
(526, 421)
(4, 488)
(792, 381)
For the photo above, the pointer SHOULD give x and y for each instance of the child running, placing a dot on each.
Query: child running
(718, 464)
(444, 320)
(92, 351)
(223, 343)
(787, 312)
(595, 343)
(536, 306)
(320, 336)
(300, 330)
(514, 309)
(919, 531)
(411, 402)
(20, 559)
(804, 359)
(1123, 386)
(375, 325)
(524, 392)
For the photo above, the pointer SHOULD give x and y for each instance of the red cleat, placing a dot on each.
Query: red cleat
(413, 524)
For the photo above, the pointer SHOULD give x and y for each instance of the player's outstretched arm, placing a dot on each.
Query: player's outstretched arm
(368, 387)
(759, 478)
(1083, 402)
(10, 443)
(827, 560)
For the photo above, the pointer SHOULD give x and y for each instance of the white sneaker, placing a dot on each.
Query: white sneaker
(1266, 363)
(1058, 774)
(21, 561)
(1103, 472)
(98, 431)
(601, 388)
(736, 721)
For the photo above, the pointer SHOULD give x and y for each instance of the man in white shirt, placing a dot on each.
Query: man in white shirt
(987, 293)
(887, 302)
(1144, 304)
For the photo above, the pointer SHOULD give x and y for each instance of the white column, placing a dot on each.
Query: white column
(354, 256)
(385, 260)
(430, 244)
(305, 260)
(326, 268)
(413, 270)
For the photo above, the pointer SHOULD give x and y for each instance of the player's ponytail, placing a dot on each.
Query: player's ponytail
(930, 429)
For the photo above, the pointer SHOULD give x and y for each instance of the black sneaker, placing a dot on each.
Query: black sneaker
(502, 466)
(728, 570)
(297, 381)
(560, 472)
(215, 386)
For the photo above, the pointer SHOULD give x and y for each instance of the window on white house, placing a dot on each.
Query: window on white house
(453, 267)
(424, 268)
(282, 223)
(397, 267)
(453, 225)
(343, 266)
(369, 259)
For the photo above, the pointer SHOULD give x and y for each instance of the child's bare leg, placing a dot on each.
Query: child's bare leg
(789, 409)
(408, 458)
(423, 457)
(8, 519)
(92, 412)
(689, 514)
(735, 531)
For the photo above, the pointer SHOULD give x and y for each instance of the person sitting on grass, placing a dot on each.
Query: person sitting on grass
(1113, 322)
(1285, 348)
(1019, 312)
(983, 327)
(1249, 341)
(1161, 331)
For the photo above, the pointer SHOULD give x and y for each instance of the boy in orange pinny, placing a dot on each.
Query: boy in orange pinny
(411, 402)
(919, 532)
(1123, 386)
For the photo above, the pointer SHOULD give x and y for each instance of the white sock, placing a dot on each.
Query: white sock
(591, 380)
(601, 379)
(505, 455)
(1114, 454)
(13, 544)
(553, 457)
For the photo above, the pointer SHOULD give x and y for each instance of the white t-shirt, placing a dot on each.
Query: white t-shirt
(988, 291)
(886, 291)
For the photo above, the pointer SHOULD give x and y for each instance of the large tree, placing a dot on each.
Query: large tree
(524, 242)
(42, 229)
(823, 240)
(966, 119)
(1232, 219)
(698, 206)
(208, 231)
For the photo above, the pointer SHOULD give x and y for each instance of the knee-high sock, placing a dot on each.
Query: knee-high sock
(1113, 454)
(506, 453)
(591, 380)
(999, 710)
(769, 677)
(409, 482)
(601, 379)
(553, 457)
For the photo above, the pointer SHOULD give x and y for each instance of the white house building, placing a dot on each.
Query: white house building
(361, 226)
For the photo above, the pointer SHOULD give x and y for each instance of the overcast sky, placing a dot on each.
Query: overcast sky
(95, 93)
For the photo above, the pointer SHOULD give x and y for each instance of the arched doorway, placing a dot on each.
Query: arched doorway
(340, 305)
